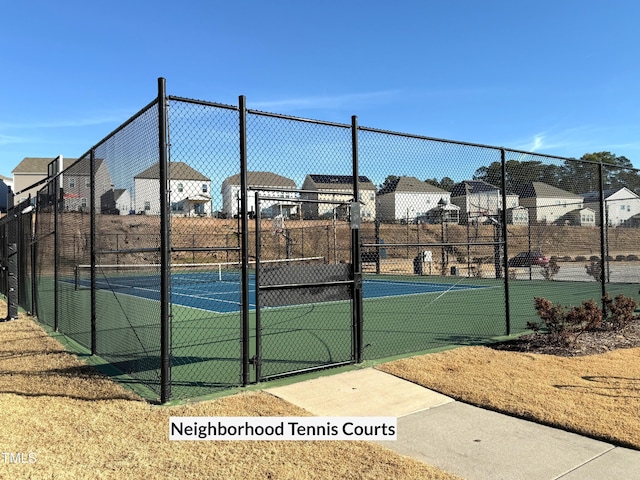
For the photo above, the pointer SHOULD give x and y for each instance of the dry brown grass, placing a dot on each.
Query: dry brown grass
(597, 395)
(81, 425)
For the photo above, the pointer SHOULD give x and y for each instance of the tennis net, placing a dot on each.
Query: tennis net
(147, 276)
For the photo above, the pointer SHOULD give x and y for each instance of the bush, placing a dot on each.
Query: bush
(621, 258)
(566, 326)
(594, 269)
(632, 258)
(594, 258)
(581, 258)
(550, 269)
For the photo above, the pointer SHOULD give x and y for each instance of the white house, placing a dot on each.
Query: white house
(546, 203)
(190, 191)
(266, 184)
(479, 200)
(116, 201)
(337, 188)
(411, 200)
(620, 205)
(76, 184)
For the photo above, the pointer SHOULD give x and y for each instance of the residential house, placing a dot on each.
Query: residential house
(190, 191)
(584, 217)
(265, 184)
(410, 200)
(76, 185)
(32, 170)
(116, 201)
(337, 188)
(548, 204)
(479, 200)
(8, 181)
(620, 205)
(518, 216)
(5, 202)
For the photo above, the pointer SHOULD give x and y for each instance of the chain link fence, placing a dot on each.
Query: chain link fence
(204, 246)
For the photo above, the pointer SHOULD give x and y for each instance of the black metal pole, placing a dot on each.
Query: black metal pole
(357, 322)
(244, 249)
(505, 251)
(92, 253)
(165, 247)
(56, 244)
(258, 353)
(603, 226)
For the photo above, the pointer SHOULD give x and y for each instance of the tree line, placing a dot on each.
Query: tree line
(575, 176)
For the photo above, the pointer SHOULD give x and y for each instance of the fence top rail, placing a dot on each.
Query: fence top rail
(202, 102)
(298, 119)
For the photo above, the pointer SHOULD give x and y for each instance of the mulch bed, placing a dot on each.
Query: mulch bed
(586, 343)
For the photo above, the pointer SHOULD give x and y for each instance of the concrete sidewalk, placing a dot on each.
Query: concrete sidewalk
(470, 442)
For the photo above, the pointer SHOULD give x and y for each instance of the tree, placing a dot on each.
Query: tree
(446, 183)
(388, 184)
(583, 176)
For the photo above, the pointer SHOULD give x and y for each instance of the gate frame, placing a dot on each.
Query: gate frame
(354, 282)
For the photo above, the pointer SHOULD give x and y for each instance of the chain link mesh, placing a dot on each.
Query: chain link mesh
(455, 242)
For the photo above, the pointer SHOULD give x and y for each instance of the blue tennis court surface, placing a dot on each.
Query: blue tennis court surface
(224, 296)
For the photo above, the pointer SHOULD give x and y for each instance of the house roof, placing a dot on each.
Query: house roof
(39, 165)
(410, 184)
(82, 168)
(118, 192)
(595, 196)
(542, 190)
(262, 179)
(468, 187)
(177, 171)
(330, 181)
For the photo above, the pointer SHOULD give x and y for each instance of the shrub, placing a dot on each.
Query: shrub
(580, 258)
(594, 269)
(621, 258)
(621, 312)
(550, 269)
(565, 326)
(631, 258)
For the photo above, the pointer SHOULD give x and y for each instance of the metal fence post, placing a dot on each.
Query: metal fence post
(505, 251)
(355, 246)
(244, 238)
(92, 250)
(603, 244)
(56, 242)
(165, 246)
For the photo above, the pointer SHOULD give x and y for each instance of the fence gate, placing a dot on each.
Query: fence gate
(306, 285)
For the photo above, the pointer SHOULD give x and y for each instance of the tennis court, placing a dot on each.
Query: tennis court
(215, 287)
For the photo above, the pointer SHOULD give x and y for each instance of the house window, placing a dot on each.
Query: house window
(198, 209)
(176, 206)
(147, 205)
(204, 188)
(72, 182)
(180, 187)
(83, 202)
(87, 182)
(372, 196)
(622, 207)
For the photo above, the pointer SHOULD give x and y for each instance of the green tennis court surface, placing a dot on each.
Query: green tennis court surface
(425, 313)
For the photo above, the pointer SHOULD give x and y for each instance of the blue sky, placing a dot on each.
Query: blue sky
(556, 77)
